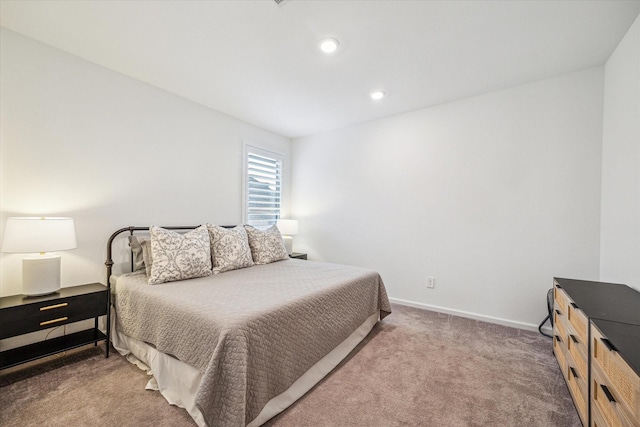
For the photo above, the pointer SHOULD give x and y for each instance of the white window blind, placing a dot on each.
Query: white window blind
(263, 187)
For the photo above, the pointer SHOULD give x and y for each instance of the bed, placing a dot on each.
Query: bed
(239, 347)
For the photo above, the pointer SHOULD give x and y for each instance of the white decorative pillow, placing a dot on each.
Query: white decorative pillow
(229, 248)
(266, 245)
(179, 256)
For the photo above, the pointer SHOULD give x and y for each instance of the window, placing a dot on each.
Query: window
(263, 187)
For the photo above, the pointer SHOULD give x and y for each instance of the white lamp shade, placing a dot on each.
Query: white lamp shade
(33, 234)
(288, 227)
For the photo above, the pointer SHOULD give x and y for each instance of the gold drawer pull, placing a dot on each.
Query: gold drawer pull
(50, 307)
(48, 322)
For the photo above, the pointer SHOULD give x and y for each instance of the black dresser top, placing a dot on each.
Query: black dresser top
(625, 338)
(607, 301)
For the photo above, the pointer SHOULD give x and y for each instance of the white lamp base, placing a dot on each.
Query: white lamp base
(40, 275)
(288, 244)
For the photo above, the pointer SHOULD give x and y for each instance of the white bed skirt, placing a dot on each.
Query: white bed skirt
(178, 382)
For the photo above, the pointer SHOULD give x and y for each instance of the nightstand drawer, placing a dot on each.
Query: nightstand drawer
(33, 324)
(58, 305)
(47, 314)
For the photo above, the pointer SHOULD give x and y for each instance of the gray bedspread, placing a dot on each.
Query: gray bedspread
(251, 332)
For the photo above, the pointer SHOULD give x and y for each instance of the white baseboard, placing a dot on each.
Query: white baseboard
(469, 315)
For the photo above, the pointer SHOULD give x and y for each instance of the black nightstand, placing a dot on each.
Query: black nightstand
(297, 255)
(21, 315)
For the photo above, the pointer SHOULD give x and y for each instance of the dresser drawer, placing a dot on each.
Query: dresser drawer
(565, 309)
(559, 323)
(578, 321)
(578, 351)
(578, 387)
(607, 401)
(559, 351)
(561, 299)
(615, 374)
(607, 419)
(47, 314)
(597, 419)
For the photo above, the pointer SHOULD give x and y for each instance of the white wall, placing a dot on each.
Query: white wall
(82, 141)
(493, 195)
(620, 229)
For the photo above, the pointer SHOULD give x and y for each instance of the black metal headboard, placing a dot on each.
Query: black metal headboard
(131, 230)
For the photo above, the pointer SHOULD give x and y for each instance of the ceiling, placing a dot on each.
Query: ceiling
(259, 61)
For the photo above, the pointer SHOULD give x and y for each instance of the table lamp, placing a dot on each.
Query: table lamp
(40, 272)
(288, 228)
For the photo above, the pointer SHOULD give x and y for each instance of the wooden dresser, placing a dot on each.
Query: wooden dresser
(596, 340)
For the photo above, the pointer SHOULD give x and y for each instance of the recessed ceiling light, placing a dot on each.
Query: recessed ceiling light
(329, 45)
(378, 94)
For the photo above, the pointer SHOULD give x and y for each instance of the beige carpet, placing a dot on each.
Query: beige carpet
(415, 368)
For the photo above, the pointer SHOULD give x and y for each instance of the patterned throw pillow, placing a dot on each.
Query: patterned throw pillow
(266, 245)
(179, 256)
(229, 248)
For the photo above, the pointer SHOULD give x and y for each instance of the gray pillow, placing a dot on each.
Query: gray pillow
(135, 242)
(146, 255)
(141, 252)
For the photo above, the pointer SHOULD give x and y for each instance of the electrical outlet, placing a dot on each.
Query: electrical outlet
(431, 282)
